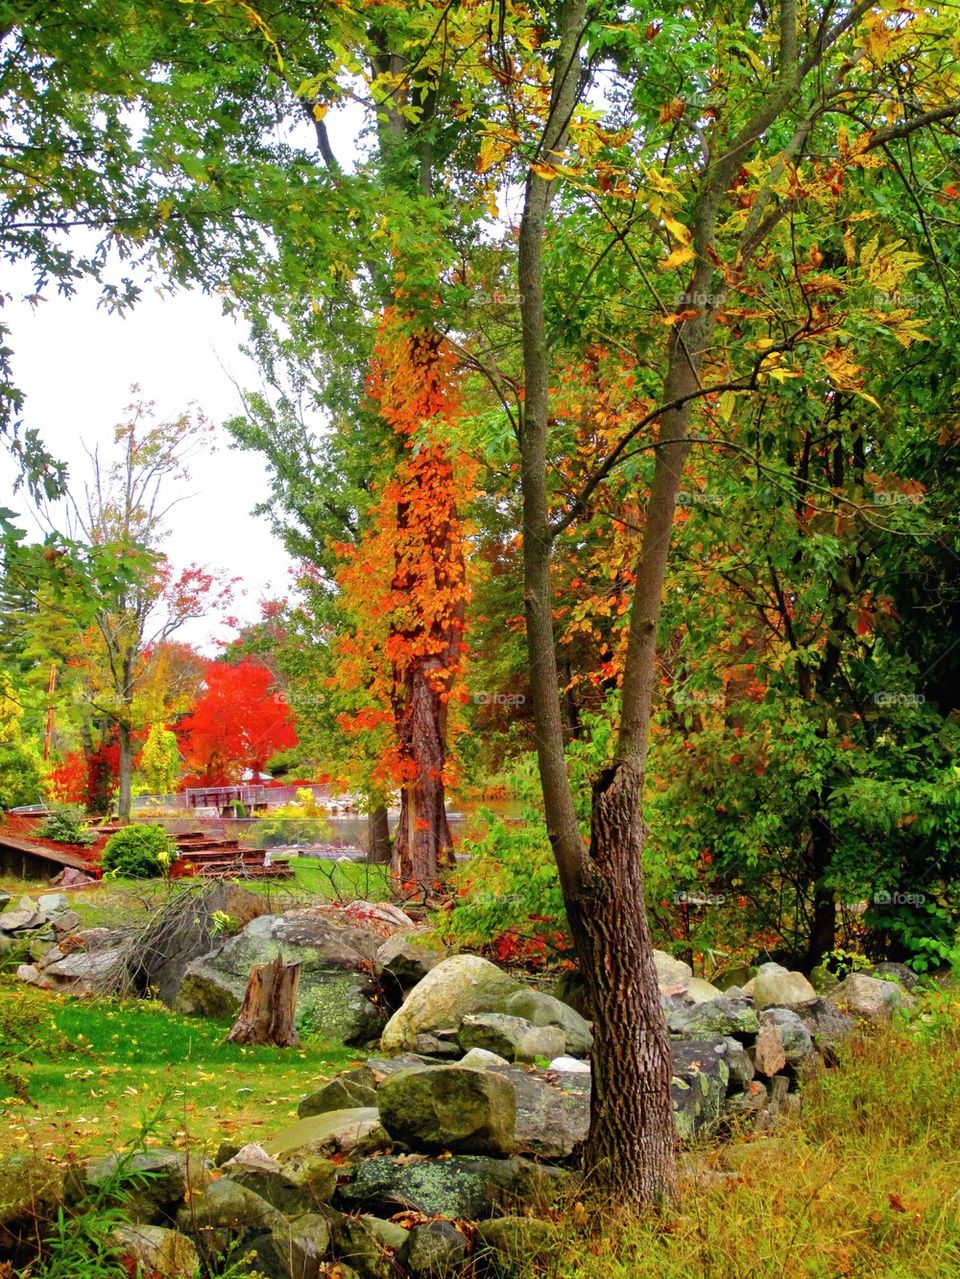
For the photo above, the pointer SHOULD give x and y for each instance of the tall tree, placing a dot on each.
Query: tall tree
(120, 518)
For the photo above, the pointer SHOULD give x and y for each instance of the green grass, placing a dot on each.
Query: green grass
(88, 1072)
(865, 1184)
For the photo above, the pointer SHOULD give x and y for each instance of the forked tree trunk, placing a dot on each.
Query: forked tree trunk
(378, 836)
(269, 1006)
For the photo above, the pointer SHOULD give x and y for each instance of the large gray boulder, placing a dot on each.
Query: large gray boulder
(782, 989)
(713, 1019)
(457, 987)
(545, 1010)
(512, 1037)
(553, 1114)
(471, 1187)
(336, 1132)
(449, 1108)
(871, 998)
(335, 957)
(152, 1197)
(699, 1086)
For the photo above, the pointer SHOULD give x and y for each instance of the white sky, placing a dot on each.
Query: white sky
(76, 364)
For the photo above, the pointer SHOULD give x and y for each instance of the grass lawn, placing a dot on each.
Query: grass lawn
(80, 1076)
(84, 1074)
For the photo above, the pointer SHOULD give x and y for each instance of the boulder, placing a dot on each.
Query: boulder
(53, 903)
(449, 1108)
(739, 1063)
(870, 997)
(466, 1186)
(890, 971)
(512, 1037)
(337, 1132)
(781, 989)
(552, 1112)
(368, 1246)
(293, 1250)
(827, 1026)
(700, 1078)
(793, 1034)
(769, 1054)
(518, 1240)
(335, 984)
(69, 921)
(84, 972)
(715, 1019)
(31, 1191)
(569, 1066)
(225, 1211)
(435, 1250)
(457, 987)
(21, 921)
(545, 1010)
(153, 1196)
(151, 1250)
(480, 1059)
(405, 959)
(355, 1088)
(671, 973)
(699, 991)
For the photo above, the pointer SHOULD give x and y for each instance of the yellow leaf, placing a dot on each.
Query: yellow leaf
(677, 230)
(320, 109)
(728, 402)
(677, 258)
(545, 171)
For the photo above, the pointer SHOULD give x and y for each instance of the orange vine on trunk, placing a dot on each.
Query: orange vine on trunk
(406, 585)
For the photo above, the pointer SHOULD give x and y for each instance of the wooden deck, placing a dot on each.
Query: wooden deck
(32, 861)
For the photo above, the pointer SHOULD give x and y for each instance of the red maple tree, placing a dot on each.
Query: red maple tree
(237, 723)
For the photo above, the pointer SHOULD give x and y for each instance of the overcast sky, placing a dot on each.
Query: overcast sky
(76, 364)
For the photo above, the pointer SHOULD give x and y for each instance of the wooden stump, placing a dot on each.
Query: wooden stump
(269, 1006)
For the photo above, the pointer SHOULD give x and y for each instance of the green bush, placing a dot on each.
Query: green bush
(67, 824)
(139, 852)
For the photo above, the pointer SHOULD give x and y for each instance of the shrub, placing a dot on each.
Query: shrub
(66, 824)
(508, 893)
(139, 852)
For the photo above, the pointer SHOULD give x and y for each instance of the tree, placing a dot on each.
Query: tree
(236, 724)
(127, 617)
(744, 178)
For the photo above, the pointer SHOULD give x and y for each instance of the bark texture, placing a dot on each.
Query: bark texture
(269, 1006)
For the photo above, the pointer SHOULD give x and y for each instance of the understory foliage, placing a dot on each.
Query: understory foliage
(66, 824)
(507, 897)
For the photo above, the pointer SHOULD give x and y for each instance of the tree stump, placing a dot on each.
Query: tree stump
(269, 1006)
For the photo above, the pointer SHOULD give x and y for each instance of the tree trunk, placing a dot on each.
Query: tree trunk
(269, 1006)
(125, 798)
(378, 836)
(631, 1143)
(823, 922)
(423, 841)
